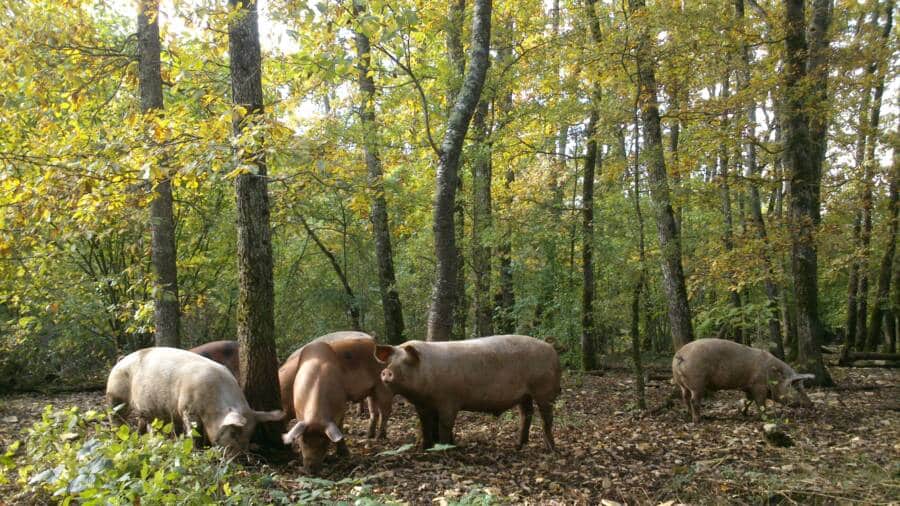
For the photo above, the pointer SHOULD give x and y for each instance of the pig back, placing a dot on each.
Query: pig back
(489, 373)
(223, 352)
(288, 371)
(719, 364)
(164, 381)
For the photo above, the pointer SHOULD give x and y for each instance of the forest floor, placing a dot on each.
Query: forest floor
(846, 450)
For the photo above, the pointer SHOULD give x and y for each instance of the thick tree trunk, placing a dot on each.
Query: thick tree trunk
(669, 237)
(166, 313)
(756, 215)
(874, 337)
(256, 291)
(589, 288)
(481, 222)
(802, 154)
(444, 292)
(352, 301)
(384, 254)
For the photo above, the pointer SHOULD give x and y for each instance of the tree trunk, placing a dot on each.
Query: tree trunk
(481, 222)
(881, 306)
(641, 284)
(444, 292)
(384, 254)
(352, 302)
(669, 236)
(802, 156)
(874, 337)
(256, 291)
(588, 332)
(505, 298)
(756, 215)
(166, 313)
(728, 232)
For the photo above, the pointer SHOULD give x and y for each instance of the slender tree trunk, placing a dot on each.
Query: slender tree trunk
(352, 301)
(384, 254)
(803, 151)
(669, 237)
(256, 290)
(444, 292)
(482, 221)
(852, 291)
(588, 331)
(881, 307)
(562, 137)
(166, 313)
(640, 285)
(505, 298)
(874, 337)
(756, 215)
(728, 232)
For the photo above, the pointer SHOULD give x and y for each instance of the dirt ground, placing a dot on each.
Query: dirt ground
(846, 449)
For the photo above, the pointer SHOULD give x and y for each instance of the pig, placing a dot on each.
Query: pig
(185, 388)
(716, 364)
(488, 375)
(379, 402)
(328, 376)
(223, 352)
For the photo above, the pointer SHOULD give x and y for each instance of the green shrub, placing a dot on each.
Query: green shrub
(70, 456)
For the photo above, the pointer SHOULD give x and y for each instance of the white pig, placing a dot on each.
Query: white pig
(178, 386)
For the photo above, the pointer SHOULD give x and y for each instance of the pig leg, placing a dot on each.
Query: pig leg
(374, 412)
(384, 400)
(695, 405)
(759, 397)
(446, 419)
(686, 397)
(526, 411)
(546, 410)
(427, 425)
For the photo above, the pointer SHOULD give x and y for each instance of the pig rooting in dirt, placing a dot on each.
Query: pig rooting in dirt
(716, 364)
(488, 375)
(185, 388)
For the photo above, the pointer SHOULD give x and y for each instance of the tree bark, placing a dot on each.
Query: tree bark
(874, 337)
(444, 292)
(505, 298)
(589, 288)
(482, 222)
(256, 291)
(725, 189)
(802, 156)
(881, 306)
(756, 215)
(669, 236)
(163, 254)
(384, 254)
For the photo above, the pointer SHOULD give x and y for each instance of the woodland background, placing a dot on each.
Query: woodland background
(84, 158)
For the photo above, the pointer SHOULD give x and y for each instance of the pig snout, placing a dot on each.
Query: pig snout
(387, 376)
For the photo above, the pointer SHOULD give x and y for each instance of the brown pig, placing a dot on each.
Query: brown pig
(716, 364)
(488, 375)
(223, 352)
(185, 388)
(379, 402)
(328, 376)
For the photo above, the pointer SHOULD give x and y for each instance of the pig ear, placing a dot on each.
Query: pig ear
(383, 353)
(333, 432)
(412, 354)
(234, 418)
(269, 416)
(294, 433)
